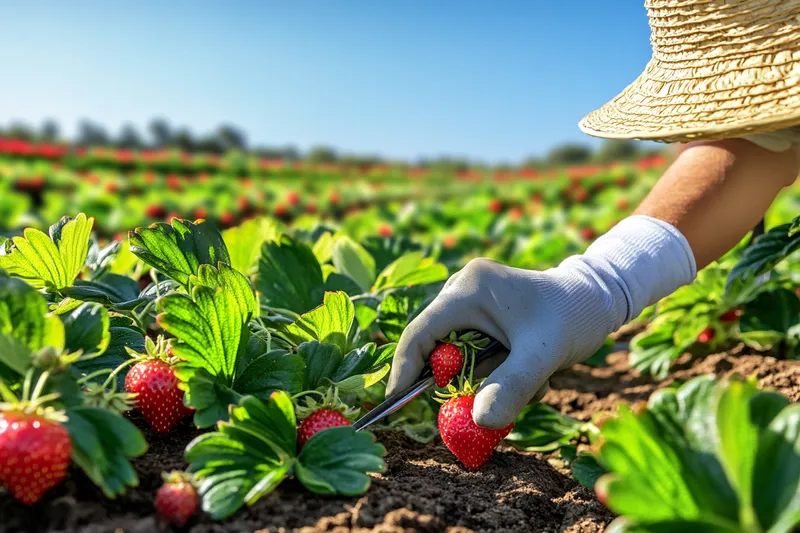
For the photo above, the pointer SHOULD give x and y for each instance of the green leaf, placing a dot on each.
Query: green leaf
(398, 308)
(321, 361)
(244, 241)
(410, 270)
(120, 292)
(50, 261)
(269, 372)
(329, 323)
(102, 444)
(289, 276)
(766, 251)
(15, 358)
(653, 351)
(23, 315)
(777, 471)
(246, 458)
(86, 329)
(352, 260)
(336, 461)
(178, 250)
(363, 359)
(775, 310)
(542, 428)
(598, 359)
(120, 337)
(365, 316)
(362, 381)
(586, 470)
(323, 248)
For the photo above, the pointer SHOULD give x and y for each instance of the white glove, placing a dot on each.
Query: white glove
(548, 320)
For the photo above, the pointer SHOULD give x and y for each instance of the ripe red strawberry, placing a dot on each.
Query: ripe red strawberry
(34, 454)
(469, 442)
(293, 198)
(281, 210)
(177, 500)
(495, 205)
(623, 204)
(515, 213)
(446, 362)
(732, 316)
(200, 213)
(226, 218)
(449, 241)
(707, 335)
(587, 234)
(155, 211)
(317, 421)
(158, 397)
(385, 230)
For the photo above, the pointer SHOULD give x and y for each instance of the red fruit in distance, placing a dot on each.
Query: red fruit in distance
(587, 234)
(158, 397)
(226, 218)
(177, 501)
(385, 230)
(732, 316)
(293, 198)
(469, 442)
(580, 195)
(495, 205)
(154, 211)
(281, 210)
(449, 241)
(317, 421)
(243, 203)
(707, 335)
(200, 212)
(623, 203)
(334, 197)
(515, 213)
(34, 454)
(446, 362)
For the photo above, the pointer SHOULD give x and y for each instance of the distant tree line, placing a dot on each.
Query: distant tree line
(160, 135)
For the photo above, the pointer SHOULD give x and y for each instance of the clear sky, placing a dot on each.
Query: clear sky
(488, 79)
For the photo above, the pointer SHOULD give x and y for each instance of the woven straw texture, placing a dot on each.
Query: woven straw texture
(720, 69)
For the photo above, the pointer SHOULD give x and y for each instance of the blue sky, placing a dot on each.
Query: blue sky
(491, 80)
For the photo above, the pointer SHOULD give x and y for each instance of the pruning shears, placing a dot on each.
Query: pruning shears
(399, 399)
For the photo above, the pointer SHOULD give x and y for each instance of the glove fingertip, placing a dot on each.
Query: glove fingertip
(489, 410)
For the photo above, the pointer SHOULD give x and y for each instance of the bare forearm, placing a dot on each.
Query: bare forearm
(716, 192)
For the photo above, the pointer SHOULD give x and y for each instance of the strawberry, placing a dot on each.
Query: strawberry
(707, 335)
(293, 198)
(587, 234)
(623, 204)
(385, 230)
(200, 213)
(153, 381)
(317, 421)
(449, 241)
(34, 454)
(469, 442)
(177, 500)
(226, 218)
(446, 362)
(155, 211)
(732, 316)
(495, 205)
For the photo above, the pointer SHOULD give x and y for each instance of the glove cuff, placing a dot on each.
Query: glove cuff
(635, 264)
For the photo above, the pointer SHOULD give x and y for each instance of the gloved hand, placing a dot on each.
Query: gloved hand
(548, 320)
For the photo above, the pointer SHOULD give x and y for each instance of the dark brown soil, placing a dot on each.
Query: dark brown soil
(424, 488)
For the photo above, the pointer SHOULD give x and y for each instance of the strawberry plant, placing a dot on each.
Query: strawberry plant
(248, 457)
(706, 456)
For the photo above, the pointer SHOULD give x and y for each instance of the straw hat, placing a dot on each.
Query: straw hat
(720, 68)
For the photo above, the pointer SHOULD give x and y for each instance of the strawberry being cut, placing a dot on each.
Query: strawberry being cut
(177, 500)
(469, 442)
(447, 360)
(317, 421)
(153, 381)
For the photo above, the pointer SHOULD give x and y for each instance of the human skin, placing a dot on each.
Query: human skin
(715, 192)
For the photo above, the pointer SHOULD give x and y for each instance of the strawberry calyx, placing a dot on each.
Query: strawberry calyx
(32, 402)
(158, 350)
(326, 400)
(178, 476)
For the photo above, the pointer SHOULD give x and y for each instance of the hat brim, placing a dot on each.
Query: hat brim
(679, 105)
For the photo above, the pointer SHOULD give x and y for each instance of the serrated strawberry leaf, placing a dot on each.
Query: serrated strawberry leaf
(86, 329)
(337, 460)
(289, 276)
(102, 445)
(321, 361)
(178, 250)
(50, 261)
(412, 269)
(764, 254)
(246, 458)
(353, 261)
(721, 454)
(398, 308)
(541, 428)
(328, 323)
(218, 361)
(24, 316)
(112, 290)
(244, 242)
